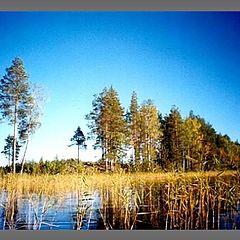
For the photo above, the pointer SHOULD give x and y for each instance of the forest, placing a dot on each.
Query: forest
(155, 171)
(150, 141)
(139, 138)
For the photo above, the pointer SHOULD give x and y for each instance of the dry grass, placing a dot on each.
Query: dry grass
(186, 200)
(51, 184)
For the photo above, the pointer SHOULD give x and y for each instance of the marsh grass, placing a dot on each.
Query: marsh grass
(194, 200)
(51, 184)
(10, 210)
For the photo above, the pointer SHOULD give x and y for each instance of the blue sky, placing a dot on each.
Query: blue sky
(187, 59)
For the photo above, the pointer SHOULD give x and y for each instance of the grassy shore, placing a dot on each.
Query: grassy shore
(50, 184)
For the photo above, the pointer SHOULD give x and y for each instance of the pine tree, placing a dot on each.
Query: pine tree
(209, 148)
(173, 139)
(8, 148)
(96, 131)
(114, 128)
(14, 99)
(163, 153)
(108, 124)
(79, 140)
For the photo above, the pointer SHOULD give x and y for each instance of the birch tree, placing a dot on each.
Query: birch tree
(134, 125)
(150, 134)
(193, 139)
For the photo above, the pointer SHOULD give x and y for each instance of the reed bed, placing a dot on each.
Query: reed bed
(51, 184)
(194, 200)
(173, 201)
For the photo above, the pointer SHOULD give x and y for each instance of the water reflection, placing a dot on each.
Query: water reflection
(207, 204)
(153, 206)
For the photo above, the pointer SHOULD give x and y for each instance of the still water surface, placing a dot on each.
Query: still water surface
(144, 207)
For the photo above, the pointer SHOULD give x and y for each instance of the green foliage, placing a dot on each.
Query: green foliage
(108, 124)
(152, 142)
(79, 140)
(173, 139)
(192, 140)
(135, 131)
(8, 149)
(53, 167)
(15, 100)
(150, 134)
(170, 143)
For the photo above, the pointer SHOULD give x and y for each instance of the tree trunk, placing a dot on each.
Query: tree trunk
(9, 158)
(105, 148)
(106, 165)
(133, 156)
(105, 156)
(78, 153)
(112, 165)
(136, 156)
(14, 139)
(26, 146)
(24, 154)
(149, 158)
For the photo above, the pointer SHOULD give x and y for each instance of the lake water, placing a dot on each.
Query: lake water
(142, 207)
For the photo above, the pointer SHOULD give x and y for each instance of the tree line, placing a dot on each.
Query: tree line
(140, 138)
(144, 140)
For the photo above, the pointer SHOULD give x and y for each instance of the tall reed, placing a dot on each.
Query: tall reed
(131, 201)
